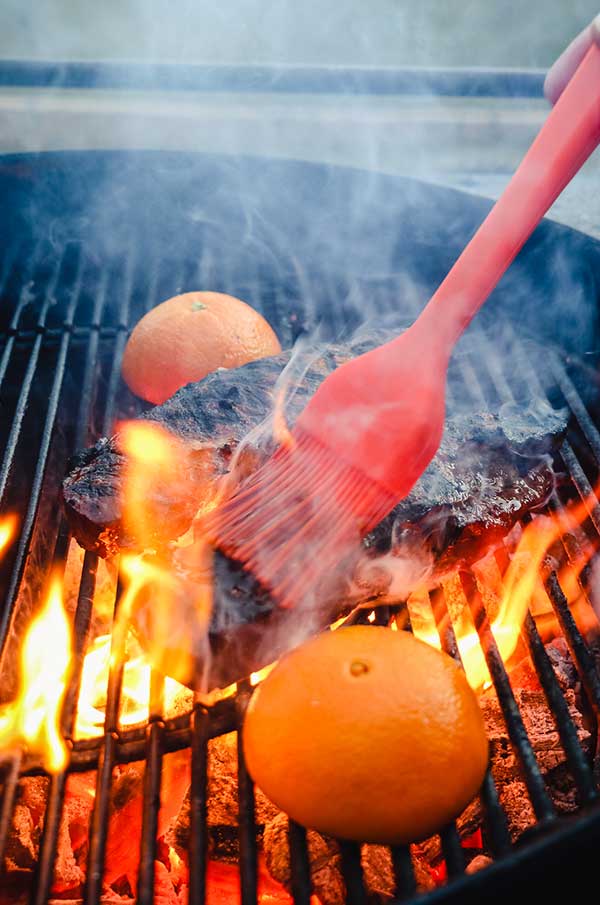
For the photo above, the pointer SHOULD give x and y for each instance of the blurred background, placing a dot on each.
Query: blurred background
(508, 33)
(462, 137)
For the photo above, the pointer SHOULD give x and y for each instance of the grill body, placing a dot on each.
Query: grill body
(90, 241)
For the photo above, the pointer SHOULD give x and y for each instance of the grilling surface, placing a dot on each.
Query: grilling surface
(67, 312)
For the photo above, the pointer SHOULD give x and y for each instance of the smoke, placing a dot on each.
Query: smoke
(386, 32)
(326, 253)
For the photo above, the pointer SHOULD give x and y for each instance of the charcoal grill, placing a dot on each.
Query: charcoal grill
(92, 240)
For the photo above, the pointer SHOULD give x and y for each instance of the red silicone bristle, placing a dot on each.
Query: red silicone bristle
(297, 518)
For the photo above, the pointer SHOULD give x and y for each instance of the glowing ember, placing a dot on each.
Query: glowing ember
(33, 718)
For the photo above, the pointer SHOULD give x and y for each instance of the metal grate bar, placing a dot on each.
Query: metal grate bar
(23, 300)
(532, 776)
(449, 837)
(356, 893)
(567, 731)
(29, 519)
(497, 827)
(99, 821)
(106, 761)
(452, 849)
(579, 649)
(119, 346)
(151, 806)
(404, 873)
(10, 788)
(584, 488)
(84, 416)
(81, 626)
(117, 662)
(246, 812)
(536, 787)
(573, 538)
(152, 293)
(9, 258)
(576, 405)
(299, 864)
(198, 851)
(27, 383)
(45, 864)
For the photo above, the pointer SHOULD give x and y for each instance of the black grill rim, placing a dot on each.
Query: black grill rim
(276, 79)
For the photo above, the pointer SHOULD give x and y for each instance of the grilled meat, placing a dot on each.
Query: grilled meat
(491, 468)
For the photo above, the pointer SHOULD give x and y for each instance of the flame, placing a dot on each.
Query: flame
(259, 675)
(8, 528)
(135, 692)
(153, 461)
(281, 431)
(33, 719)
(161, 602)
(161, 593)
(511, 595)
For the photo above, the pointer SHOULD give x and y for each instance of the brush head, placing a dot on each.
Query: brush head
(297, 518)
(357, 448)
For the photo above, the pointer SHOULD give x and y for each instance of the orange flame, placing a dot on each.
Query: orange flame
(153, 460)
(33, 719)
(135, 694)
(260, 674)
(281, 431)
(160, 595)
(516, 592)
(8, 527)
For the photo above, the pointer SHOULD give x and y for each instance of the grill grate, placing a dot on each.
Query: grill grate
(62, 338)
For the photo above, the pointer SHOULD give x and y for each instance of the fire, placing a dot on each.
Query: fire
(281, 431)
(161, 593)
(135, 693)
(164, 590)
(153, 457)
(33, 719)
(509, 596)
(8, 527)
(259, 675)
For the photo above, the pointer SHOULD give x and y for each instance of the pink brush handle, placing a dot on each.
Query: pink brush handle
(565, 141)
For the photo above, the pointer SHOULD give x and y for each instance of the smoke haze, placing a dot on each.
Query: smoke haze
(383, 32)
